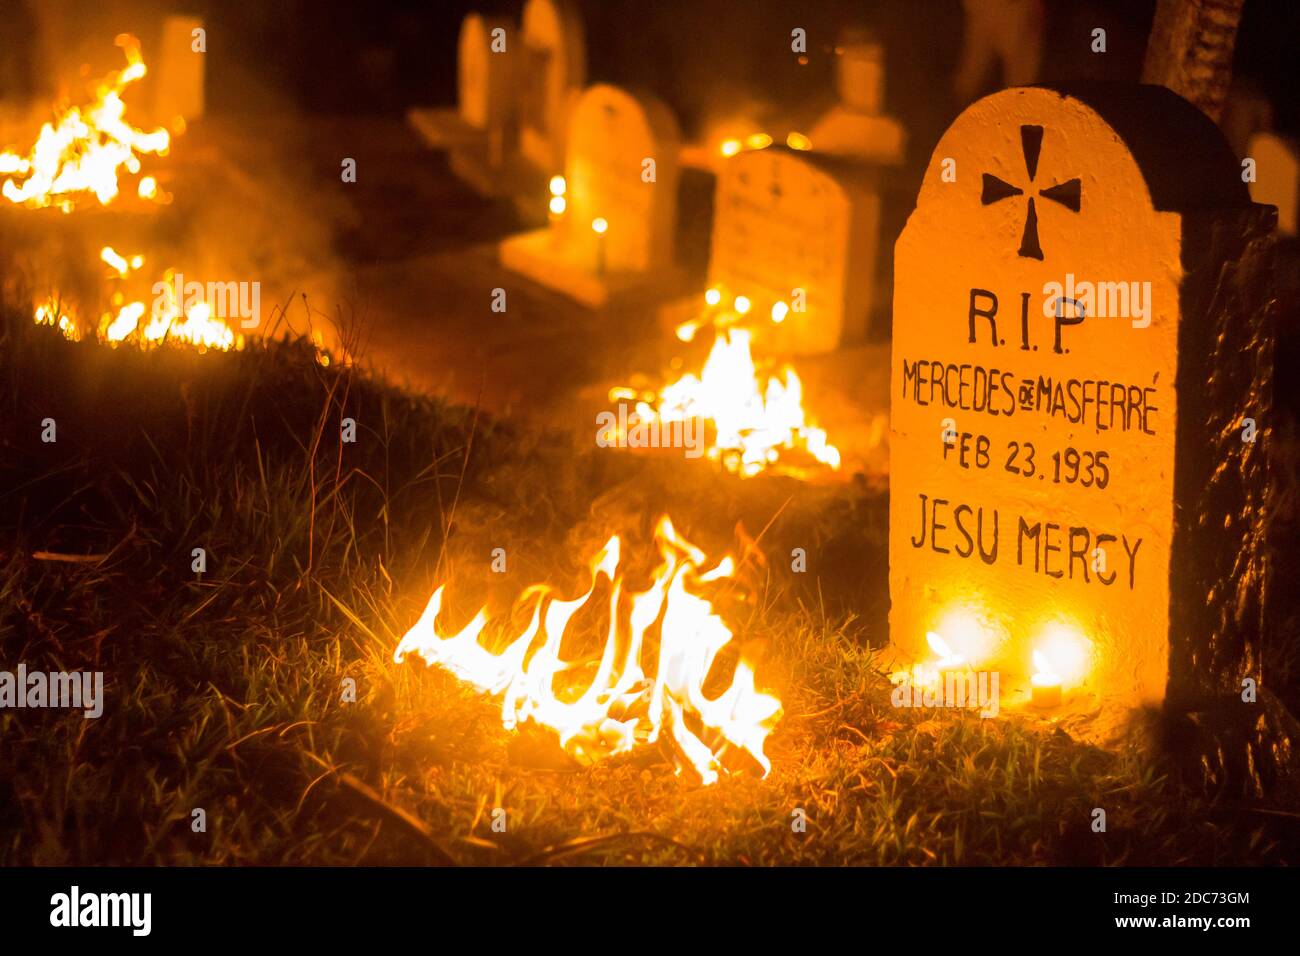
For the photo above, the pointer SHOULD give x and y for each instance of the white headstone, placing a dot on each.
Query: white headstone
(554, 69)
(1081, 327)
(611, 135)
(483, 75)
(621, 176)
(795, 228)
(856, 126)
(1277, 178)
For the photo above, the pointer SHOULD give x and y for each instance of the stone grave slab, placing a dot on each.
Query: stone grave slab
(1277, 178)
(1082, 345)
(477, 131)
(801, 229)
(614, 240)
(553, 73)
(857, 126)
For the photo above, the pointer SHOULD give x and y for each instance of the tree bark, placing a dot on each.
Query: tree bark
(1190, 50)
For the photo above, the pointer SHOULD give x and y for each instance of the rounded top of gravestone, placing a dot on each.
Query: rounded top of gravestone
(1118, 143)
(631, 119)
(546, 22)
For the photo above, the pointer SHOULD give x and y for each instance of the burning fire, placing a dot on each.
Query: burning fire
(195, 326)
(756, 423)
(621, 706)
(83, 152)
(84, 149)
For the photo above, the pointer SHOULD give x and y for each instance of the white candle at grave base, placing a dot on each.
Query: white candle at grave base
(948, 660)
(1045, 685)
(600, 226)
(556, 207)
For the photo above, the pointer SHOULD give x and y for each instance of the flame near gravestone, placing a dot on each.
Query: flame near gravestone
(1080, 328)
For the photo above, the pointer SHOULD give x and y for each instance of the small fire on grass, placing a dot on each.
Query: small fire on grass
(84, 149)
(82, 154)
(647, 684)
(754, 419)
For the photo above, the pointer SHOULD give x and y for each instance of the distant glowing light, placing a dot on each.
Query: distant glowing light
(730, 147)
(948, 658)
(758, 141)
(558, 205)
(966, 634)
(1045, 685)
(125, 323)
(779, 311)
(109, 255)
(1064, 652)
(713, 296)
(558, 186)
(599, 225)
(743, 305)
(798, 141)
(148, 188)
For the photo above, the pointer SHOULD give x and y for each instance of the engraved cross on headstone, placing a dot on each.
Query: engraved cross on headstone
(1068, 193)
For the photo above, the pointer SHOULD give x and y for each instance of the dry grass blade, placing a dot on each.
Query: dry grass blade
(578, 845)
(391, 811)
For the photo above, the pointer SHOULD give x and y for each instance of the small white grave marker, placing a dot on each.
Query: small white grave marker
(794, 228)
(614, 240)
(1277, 178)
(856, 126)
(553, 72)
(478, 129)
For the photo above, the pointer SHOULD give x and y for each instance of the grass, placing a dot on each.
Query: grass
(224, 689)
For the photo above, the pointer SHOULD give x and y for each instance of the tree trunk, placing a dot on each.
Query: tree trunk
(1190, 50)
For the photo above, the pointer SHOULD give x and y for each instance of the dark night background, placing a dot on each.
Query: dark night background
(340, 56)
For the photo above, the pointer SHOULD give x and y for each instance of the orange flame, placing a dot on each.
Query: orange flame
(83, 151)
(754, 424)
(195, 325)
(85, 148)
(623, 707)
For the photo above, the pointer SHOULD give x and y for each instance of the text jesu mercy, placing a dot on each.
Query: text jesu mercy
(619, 431)
(227, 300)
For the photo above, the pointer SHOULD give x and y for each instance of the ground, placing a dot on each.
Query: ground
(225, 688)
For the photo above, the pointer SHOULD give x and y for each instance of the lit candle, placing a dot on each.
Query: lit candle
(948, 659)
(599, 226)
(557, 206)
(1045, 685)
